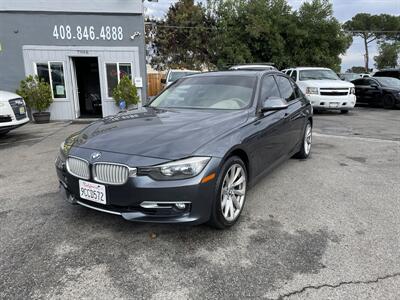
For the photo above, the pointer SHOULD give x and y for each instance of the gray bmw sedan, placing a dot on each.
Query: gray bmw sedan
(191, 154)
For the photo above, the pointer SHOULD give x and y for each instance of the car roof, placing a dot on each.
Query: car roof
(309, 68)
(391, 70)
(248, 73)
(183, 70)
(258, 66)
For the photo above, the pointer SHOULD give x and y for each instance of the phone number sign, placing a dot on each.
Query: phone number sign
(88, 33)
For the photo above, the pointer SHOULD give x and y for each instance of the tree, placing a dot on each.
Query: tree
(388, 55)
(322, 40)
(373, 27)
(181, 39)
(269, 31)
(356, 69)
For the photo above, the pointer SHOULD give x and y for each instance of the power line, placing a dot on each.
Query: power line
(216, 28)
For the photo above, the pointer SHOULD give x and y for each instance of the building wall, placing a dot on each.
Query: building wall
(19, 29)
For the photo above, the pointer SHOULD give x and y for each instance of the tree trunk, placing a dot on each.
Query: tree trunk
(366, 58)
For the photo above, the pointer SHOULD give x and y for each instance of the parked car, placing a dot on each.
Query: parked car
(382, 91)
(253, 67)
(12, 112)
(175, 74)
(191, 154)
(395, 73)
(324, 88)
(352, 76)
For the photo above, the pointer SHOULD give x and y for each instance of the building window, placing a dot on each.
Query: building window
(114, 73)
(55, 77)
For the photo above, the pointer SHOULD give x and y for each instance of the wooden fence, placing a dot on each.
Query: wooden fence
(154, 85)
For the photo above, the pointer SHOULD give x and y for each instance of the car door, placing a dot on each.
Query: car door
(294, 115)
(361, 86)
(268, 141)
(374, 91)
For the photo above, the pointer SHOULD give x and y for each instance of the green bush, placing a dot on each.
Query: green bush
(36, 93)
(125, 90)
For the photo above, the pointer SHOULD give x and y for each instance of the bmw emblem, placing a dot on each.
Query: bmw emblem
(95, 155)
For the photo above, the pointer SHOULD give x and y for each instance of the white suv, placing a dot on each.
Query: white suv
(324, 88)
(12, 112)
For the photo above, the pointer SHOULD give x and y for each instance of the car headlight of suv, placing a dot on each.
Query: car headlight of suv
(180, 169)
(352, 91)
(312, 91)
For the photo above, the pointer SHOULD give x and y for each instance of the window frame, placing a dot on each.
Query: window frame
(51, 77)
(118, 74)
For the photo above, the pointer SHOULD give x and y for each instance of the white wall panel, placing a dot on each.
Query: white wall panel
(64, 109)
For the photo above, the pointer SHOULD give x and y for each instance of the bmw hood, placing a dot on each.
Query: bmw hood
(160, 133)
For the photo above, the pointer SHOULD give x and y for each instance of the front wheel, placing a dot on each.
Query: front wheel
(231, 194)
(305, 143)
(388, 102)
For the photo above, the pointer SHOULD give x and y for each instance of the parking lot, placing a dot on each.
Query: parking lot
(323, 228)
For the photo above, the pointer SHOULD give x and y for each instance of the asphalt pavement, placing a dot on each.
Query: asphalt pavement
(323, 228)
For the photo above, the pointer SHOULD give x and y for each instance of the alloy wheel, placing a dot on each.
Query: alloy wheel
(308, 139)
(233, 192)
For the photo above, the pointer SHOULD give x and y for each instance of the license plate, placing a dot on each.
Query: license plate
(21, 110)
(92, 191)
(334, 104)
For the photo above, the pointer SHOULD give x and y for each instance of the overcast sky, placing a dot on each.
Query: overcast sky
(343, 10)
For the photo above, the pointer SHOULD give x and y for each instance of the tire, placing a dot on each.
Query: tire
(222, 216)
(388, 102)
(3, 133)
(306, 143)
(344, 111)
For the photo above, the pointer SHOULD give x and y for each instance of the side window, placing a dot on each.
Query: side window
(294, 75)
(288, 72)
(53, 74)
(114, 73)
(286, 88)
(269, 88)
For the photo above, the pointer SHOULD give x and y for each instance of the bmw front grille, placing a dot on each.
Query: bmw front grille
(78, 167)
(111, 173)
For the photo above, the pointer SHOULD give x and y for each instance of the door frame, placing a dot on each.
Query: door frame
(75, 88)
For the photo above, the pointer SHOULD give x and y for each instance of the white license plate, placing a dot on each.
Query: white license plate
(92, 191)
(21, 110)
(334, 104)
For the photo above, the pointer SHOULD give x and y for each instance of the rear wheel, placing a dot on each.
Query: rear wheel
(388, 102)
(306, 143)
(231, 194)
(344, 111)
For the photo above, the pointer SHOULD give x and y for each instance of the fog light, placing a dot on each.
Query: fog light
(180, 205)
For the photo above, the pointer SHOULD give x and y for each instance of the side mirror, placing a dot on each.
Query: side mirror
(163, 80)
(274, 103)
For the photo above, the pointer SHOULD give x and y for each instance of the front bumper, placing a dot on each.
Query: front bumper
(7, 126)
(144, 199)
(332, 102)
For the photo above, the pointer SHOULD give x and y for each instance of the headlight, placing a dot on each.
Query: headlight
(67, 144)
(180, 169)
(312, 90)
(352, 91)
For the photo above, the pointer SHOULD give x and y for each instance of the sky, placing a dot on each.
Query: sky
(343, 11)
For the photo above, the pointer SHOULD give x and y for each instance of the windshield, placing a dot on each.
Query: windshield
(219, 92)
(320, 74)
(173, 76)
(388, 81)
